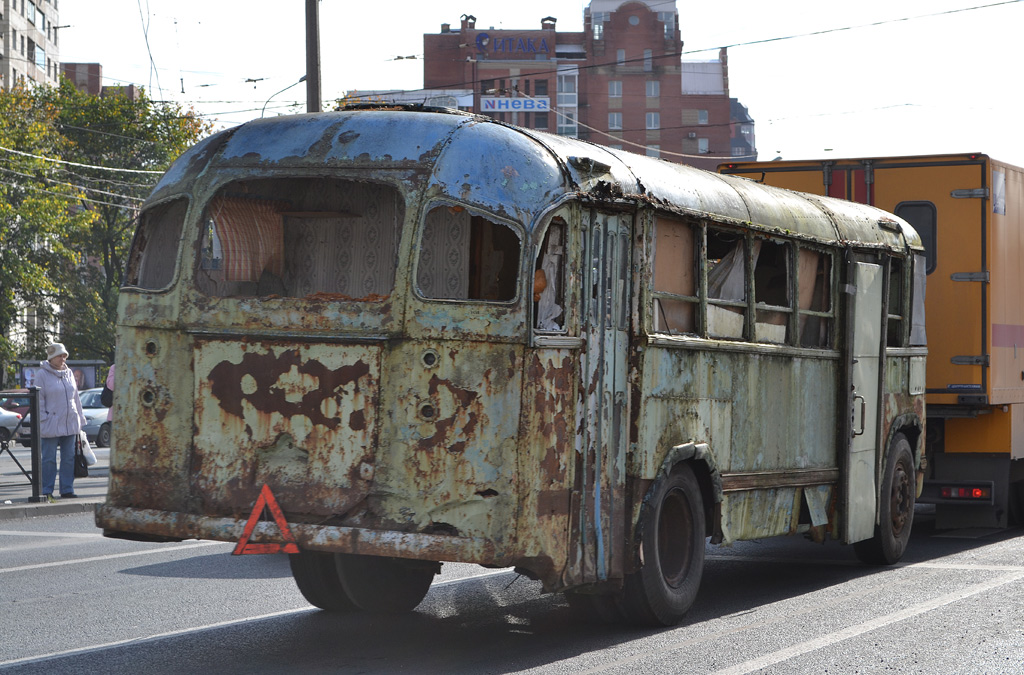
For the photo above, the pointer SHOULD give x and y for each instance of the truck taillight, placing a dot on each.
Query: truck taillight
(952, 492)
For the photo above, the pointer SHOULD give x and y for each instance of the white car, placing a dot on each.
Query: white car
(97, 428)
(8, 422)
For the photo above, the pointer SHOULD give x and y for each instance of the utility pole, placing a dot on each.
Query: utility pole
(313, 56)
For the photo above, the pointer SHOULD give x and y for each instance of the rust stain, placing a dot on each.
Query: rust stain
(226, 381)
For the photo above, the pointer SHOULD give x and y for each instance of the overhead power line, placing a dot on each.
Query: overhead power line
(85, 166)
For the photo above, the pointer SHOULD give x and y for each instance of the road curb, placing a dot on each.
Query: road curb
(33, 510)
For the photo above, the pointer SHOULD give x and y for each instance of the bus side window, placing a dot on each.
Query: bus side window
(894, 334)
(549, 279)
(675, 293)
(815, 298)
(155, 248)
(772, 273)
(467, 257)
(727, 283)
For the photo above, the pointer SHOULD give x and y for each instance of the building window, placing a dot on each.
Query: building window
(648, 60)
(540, 87)
(654, 151)
(567, 90)
(567, 122)
(614, 89)
(620, 57)
(653, 120)
(614, 121)
(540, 120)
(653, 88)
(739, 151)
(30, 12)
(702, 117)
(615, 146)
(597, 21)
(703, 146)
(669, 19)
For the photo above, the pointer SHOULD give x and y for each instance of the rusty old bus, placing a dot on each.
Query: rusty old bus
(436, 337)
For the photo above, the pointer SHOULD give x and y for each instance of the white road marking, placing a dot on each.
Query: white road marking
(219, 624)
(867, 626)
(59, 535)
(112, 556)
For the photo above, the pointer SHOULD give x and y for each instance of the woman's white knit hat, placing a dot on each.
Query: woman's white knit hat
(55, 349)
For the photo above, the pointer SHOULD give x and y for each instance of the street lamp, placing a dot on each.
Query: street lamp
(301, 80)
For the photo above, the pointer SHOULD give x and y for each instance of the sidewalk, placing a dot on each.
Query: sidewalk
(15, 489)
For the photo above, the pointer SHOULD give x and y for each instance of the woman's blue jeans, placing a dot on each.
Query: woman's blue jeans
(48, 459)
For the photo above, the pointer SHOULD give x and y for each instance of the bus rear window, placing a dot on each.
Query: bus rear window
(301, 237)
(154, 252)
(467, 257)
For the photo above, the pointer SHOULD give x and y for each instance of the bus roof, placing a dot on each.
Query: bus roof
(515, 172)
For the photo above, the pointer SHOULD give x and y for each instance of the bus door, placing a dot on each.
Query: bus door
(863, 348)
(604, 368)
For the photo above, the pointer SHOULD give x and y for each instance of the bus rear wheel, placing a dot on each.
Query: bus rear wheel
(316, 575)
(896, 508)
(671, 540)
(385, 585)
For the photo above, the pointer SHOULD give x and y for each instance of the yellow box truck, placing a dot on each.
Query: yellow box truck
(969, 210)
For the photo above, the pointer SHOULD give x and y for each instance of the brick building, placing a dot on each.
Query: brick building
(620, 82)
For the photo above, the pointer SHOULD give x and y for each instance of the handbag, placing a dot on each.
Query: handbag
(90, 456)
(81, 466)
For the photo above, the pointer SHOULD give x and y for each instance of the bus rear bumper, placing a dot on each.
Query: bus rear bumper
(152, 524)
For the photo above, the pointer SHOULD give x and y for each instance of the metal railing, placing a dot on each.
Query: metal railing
(33, 475)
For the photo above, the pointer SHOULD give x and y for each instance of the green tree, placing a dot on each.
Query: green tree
(37, 221)
(112, 150)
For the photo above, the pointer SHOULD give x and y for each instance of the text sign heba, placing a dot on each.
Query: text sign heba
(505, 104)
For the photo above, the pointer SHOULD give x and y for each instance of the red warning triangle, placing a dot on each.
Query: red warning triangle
(266, 501)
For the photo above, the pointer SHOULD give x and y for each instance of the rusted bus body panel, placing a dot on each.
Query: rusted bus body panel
(447, 461)
(761, 410)
(302, 419)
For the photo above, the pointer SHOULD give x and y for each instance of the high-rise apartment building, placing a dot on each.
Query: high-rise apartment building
(620, 82)
(29, 31)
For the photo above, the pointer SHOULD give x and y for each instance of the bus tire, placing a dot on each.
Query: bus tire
(896, 508)
(671, 535)
(385, 585)
(316, 575)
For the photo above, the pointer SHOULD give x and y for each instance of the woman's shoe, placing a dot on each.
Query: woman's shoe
(69, 495)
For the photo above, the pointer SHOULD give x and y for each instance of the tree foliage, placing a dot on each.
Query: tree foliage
(65, 226)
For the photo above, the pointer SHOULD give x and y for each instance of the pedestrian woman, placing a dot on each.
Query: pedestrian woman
(60, 420)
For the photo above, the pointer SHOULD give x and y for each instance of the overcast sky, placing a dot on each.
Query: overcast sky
(865, 78)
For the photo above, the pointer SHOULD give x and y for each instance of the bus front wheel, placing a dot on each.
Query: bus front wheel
(385, 585)
(670, 533)
(316, 575)
(895, 506)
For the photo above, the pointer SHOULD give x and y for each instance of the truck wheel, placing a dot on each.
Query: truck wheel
(385, 585)
(103, 436)
(316, 575)
(896, 508)
(671, 539)
(1017, 503)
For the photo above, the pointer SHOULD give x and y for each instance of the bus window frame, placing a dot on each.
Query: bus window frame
(517, 228)
(929, 236)
(702, 300)
(134, 262)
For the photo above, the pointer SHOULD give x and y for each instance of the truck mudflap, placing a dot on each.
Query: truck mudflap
(120, 522)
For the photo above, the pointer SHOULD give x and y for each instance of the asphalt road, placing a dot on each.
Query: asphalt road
(73, 602)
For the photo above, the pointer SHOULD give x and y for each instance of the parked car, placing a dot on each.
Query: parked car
(15, 400)
(97, 428)
(8, 423)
